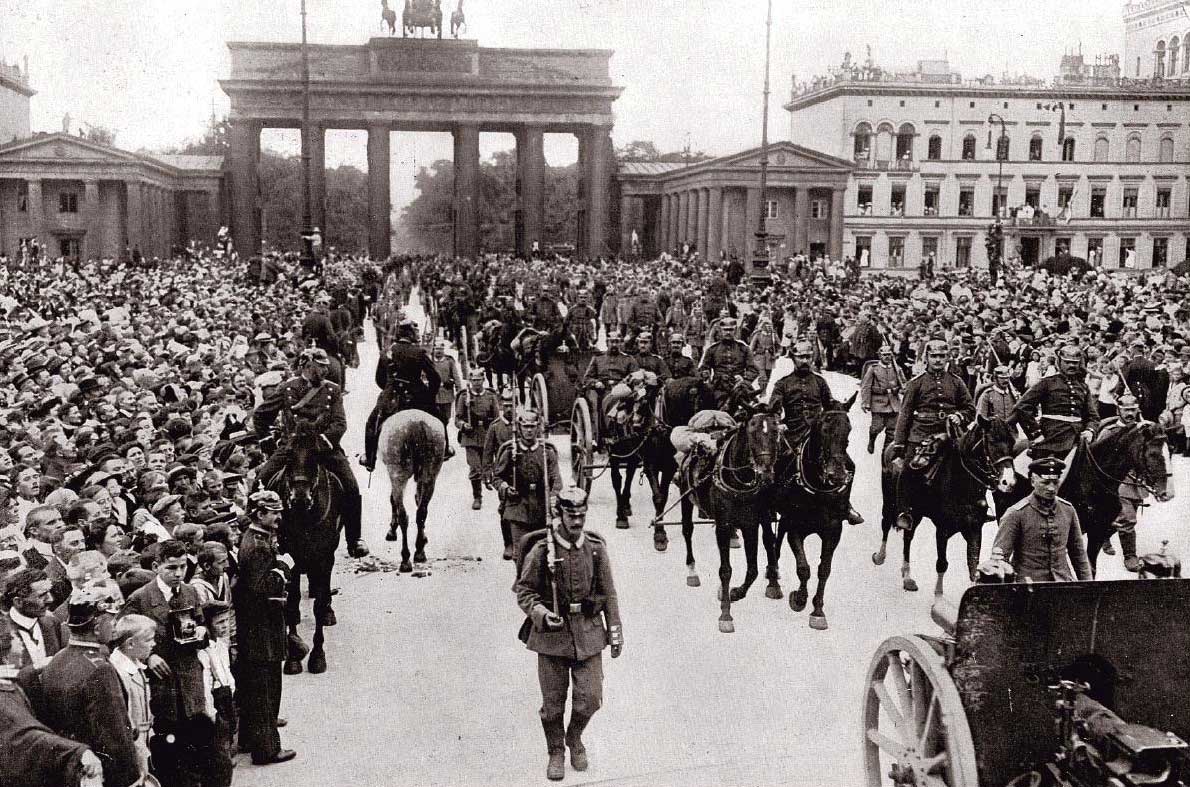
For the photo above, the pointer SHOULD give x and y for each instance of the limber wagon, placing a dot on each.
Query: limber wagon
(1062, 683)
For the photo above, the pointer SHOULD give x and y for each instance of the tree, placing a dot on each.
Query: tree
(281, 203)
(213, 142)
(101, 134)
(641, 150)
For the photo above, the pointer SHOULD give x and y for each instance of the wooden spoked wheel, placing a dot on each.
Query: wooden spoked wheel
(582, 452)
(915, 728)
(539, 399)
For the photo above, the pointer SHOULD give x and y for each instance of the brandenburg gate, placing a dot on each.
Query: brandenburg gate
(410, 84)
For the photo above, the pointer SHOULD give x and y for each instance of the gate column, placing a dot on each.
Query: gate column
(530, 162)
(594, 152)
(243, 156)
(466, 200)
(379, 200)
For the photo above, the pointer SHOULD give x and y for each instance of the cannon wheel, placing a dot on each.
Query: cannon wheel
(581, 451)
(539, 398)
(915, 728)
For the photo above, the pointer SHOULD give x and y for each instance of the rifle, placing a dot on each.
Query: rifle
(551, 548)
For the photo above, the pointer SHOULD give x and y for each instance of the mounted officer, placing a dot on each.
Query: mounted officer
(1067, 408)
(728, 358)
(475, 409)
(679, 365)
(932, 399)
(566, 591)
(408, 381)
(649, 360)
(310, 398)
(604, 371)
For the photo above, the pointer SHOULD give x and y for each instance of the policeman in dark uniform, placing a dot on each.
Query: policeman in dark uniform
(408, 381)
(728, 358)
(525, 468)
(1067, 408)
(679, 365)
(647, 359)
(84, 695)
(604, 371)
(931, 399)
(311, 399)
(565, 589)
(800, 397)
(475, 409)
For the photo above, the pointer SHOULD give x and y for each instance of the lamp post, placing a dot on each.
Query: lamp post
(1001, 154)
(307, 230)
(760, 257)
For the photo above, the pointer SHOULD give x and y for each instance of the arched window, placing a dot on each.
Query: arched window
(1102, 149)
(1132, 149)
(1068, 149)
(863, 141)
(969, 147)
(1035, 148)
(1173, 55)
(934, 152)
(1165, 150)
(884, 142)
(1003, 146)
(1159, 60)
(905, 135)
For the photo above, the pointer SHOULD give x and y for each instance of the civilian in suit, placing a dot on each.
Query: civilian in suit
(44, 525)
(70, 543)
(35, 633)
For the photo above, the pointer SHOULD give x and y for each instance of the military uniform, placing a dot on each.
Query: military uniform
(86, 703)
(474, 413)
(801, 396)
(31, 754)
(652, 362)
(880, 394)
(1042, 542)
(608, 368)
(727, 357)
(452, 381)
(1067, 409)
(572, 657)
(680, 366)
(1132, 496)
(930, 399)
(521, 481)
(408, 381)
(322, 405)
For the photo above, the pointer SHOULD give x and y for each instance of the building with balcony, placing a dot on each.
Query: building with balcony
(1155, 35)
(931, 172)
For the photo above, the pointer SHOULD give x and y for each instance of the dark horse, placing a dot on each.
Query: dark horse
(731, 488)
(1092, 483)
(814, 480)
(626, 441)
(310, 527)
(954, 497)
(412, 445)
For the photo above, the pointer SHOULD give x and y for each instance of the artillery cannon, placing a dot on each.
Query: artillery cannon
(1066, 684)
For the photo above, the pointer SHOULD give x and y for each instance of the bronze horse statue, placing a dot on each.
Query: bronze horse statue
(953, 495)
(458, 22)
(310, 525)
(412, 445)
(388, 17)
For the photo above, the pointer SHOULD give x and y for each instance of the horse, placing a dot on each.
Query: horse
(310, 525)
(412, 445)
(954, 497)
(680, 399)
(731, 488)
(388, 17)
(1092, 483)
(624, 443)
(458, 22)
(811, 499)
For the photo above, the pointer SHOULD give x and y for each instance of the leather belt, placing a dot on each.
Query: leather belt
(1069, 419)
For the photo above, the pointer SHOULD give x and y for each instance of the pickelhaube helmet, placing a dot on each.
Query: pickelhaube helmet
(316, 355)
(1128, 402)
(1160, 565)
(1069, 352)
(572, 500)
(264, 500)
(528, 418)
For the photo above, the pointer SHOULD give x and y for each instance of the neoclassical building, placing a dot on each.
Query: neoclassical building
(716, 204)
(1155, 39)
(929, 172)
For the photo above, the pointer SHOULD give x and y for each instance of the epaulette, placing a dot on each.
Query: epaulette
(1024, 501)
(1064, 502)
(595, 538)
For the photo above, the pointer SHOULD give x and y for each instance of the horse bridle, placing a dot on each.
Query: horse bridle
(803, 479)
(984, 475)
(721, 467)
(1142, 481)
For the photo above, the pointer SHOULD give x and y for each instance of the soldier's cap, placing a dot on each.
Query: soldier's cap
(573, 500)
(884, 350)
(174, 473)
(476, 374)
(316, 355)
(1129, 401)
(1001, 371)
(264, 500)
(83, 607)
(676, 336)
(527, 417)
(613, 335)
(1047, 466)
(165, 502)
(507, 396)
(1161, 565)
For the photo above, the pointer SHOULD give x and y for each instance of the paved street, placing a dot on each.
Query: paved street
(427, 683)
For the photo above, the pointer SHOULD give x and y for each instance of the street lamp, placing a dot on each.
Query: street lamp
(1001, 154)
(307, 231)
(760, 257)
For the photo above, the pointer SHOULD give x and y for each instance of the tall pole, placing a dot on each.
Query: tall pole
(760, 259)
(307, 143)
(993, 118)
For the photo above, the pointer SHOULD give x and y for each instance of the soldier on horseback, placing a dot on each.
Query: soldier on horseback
(1067, 407)
(932, 399)
(408, 381)
(728, 358)
(801, 396)
(311, 399)
(604, 371)
(679, 365)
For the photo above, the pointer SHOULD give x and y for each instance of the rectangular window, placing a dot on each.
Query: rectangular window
(966, 202)
(818, 209)
(68, 247)
(863, 201)
(1098, 199)
(896, 252)
(1163, 203)
(1062, 246)
(1129, 206)
(1065, 195)
(68, 202)
(1127, 253)
(770, 209)
(1095, 252)
(1160, 252)
(897, 201)
(23, 197)
(1033, 197)
(929, 247)
(932, 200)
(962, 251)
(996, 197)
(863, 250)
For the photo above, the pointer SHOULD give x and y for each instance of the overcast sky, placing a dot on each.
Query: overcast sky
(148, 68)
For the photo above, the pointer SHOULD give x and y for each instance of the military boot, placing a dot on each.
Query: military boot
(1128, 547)
(371, 441)
(476, 496)
(574, 741)
(555, 739)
